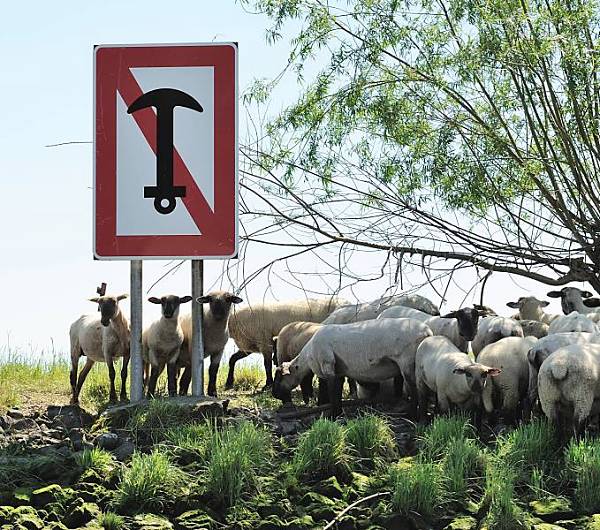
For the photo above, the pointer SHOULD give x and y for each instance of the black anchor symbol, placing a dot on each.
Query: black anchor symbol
(164, 100)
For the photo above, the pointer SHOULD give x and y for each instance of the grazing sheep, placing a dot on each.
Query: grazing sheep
(508, 390)
(530, 308)
(400, 311)
(492, 329)
(253, 327)
(572, 322)
(162, 340)
(534, 328)
(449, 374)
(569, 386)
(215, 334)
(458, 326)
(370, 351)
(572, 299)
(100, 339)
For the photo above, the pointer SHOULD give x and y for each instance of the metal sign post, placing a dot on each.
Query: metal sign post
(136, 392)
(197, 339)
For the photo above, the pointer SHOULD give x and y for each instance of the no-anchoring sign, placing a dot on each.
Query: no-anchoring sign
(165, 151)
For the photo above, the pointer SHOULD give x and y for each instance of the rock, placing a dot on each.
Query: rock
(272, 522)
(330, 487)
(304, 522)
(5, 422)
(69, 417)
(5, 514)
(290, 427)
(107, 440)
(574, 524)
(24, 424)
(547, 526)
(194, 520)
(397, 521)
(148, 521)
(593, 522)
(551, 509)
(46, 495)
(27, 517)
(91, 492)
(462, 523)
(81, 513)
(319, 506)
(15, 414)
(124, 451)
(77, 437)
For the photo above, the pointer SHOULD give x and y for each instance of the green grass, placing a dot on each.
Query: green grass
(111, 521)
(371, 439)
(582, 460)
(321, 452)
(190, 443)
(97, 460)
(154, 419)
(435, 438)
(461, 466)
(20, 470)
(151, 483)
(416, 487)
(238, 455)
(500, 481)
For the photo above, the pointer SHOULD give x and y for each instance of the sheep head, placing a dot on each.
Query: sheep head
(220, 303)
(477, 375)
(570, 298)
(170, 304)
(284, 381)
(468, 320)
(108, 307)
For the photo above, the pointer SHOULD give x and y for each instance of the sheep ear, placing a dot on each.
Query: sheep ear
(459, 371)
(285, 368)
(235, 300)
(122, 297)
(453, 314)
(154, 300)
(494, 371)
(592, 302)
(586, 294)
(95, 300)
(544, 303)
(204, 299)
(185, 299)
(513, 305)
(554, 294)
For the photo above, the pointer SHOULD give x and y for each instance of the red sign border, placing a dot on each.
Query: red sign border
(215, 242)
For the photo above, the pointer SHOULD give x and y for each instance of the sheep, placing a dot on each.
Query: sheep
(569, 386)
(415, 301)
(162, 340)
(534, 328)
(400, 311)
(253, 327)
(571, 299)
(449, 374)
(492, 329)
(100, 339)
(507, 391)
(369, 351)
(215, 335)
(530, 308)
(458, 326)
(574, 321)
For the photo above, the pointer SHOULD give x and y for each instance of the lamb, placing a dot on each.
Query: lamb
(507, 391)
(444, 371)
(253, 327)
(530, 308)
(162, 340)
(215, 335)
(574, 321)
(369, 351)
(458, 326)
(399, 311)
(569, 386)
(100, 339)
(572, 299)
(492, 329)
(534, 328)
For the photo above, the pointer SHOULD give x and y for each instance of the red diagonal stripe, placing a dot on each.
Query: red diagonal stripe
(194, 200)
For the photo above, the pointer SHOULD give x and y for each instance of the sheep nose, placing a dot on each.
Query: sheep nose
(105, 321)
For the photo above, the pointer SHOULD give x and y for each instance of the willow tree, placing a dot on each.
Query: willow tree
(455, 133)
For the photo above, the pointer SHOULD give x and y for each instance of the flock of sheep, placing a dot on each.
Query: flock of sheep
(471, 359)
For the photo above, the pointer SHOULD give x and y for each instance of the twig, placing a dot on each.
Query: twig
(353, 505)
(67, 143)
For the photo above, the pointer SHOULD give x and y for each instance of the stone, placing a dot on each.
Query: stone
(91, 492)
(69, 417)
(15, 414)
(45, 495)
(107, 440)
(330, 487)
(77, 437)
(194, 520)
(462, 523)
(574, 524)
(547, 526)
(81, 513)
(290, 427)
(304, 522)
(272, 522)
(6, 514)
(24, 424)
(124, 451)
(148, 521)
(551, 509)
(27, 517)
(5, 422)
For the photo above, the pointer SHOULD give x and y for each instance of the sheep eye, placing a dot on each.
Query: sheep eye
(483, 376)
(468, 374)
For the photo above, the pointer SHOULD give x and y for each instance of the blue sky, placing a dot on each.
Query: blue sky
(46, 266)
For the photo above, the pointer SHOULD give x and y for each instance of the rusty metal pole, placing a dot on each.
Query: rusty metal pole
(197, 339)
(136, 392)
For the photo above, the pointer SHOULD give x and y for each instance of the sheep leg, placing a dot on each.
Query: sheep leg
(155, 371)
(307, 388)
(232, 360)
(213, 370)
(172, 379)
(398, 386)
(268, 363)
(323, 396)
(184, 381)
(73, 375)
(111, 375)
(124, 366)
(334, 389)
(82, 377)
(352, 388)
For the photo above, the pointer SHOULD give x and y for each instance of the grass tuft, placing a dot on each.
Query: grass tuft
(154, 419)
(435, 438)
(503, 512)
(583, 467)
(461, 465)
(111, 521)
(321, 452)
(151, 483)
(371, 439)
(191, 442)
(416, 487)
(96, 459)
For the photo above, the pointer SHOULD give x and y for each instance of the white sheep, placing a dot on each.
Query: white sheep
(254, 326)
(530, 308)
(494, 328)
(215, 335)
(572, 299)
(369, 351)
(534, 328)
(574, 321)
(400, 311)
(443, 371)
(507, 391)
(101, 339)
(162, 340)
(569, 386)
